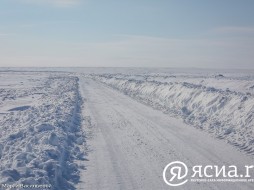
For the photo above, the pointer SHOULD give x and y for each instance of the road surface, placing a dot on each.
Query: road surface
(129, 144)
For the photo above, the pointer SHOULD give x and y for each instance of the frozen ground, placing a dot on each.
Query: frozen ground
(40, 131)
(123, 125)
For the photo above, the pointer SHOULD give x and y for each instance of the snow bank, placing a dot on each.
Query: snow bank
(38, 144)
(224, 112)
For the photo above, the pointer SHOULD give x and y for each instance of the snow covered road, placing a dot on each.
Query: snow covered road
(130, 143)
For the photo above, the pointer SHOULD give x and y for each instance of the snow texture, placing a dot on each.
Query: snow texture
(41, 131)
(221, 105)
(39, 128)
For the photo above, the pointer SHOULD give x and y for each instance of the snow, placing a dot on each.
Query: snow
(39, 124)
(220, 105)
(78, 128)
(130, 143)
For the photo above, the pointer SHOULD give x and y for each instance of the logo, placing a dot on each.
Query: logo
(177, 171)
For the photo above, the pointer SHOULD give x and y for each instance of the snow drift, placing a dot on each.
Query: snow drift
(222, 106)
(40, 142)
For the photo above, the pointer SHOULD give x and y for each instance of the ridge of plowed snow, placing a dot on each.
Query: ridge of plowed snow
(226, 113)
(38, 145)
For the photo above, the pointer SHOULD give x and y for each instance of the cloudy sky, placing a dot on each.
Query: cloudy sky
(127, 33)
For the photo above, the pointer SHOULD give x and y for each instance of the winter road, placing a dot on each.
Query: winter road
(130, 144)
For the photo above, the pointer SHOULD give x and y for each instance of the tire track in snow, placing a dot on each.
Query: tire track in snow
(131, 144)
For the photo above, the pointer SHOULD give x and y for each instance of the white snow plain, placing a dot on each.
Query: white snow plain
(40, 136)
(55, 121)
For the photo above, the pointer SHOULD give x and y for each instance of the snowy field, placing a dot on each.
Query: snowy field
(117, 128)
(39, 129)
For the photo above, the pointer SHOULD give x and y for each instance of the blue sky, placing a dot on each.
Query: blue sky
(133, 33)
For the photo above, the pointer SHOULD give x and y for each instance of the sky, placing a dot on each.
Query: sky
(127, 33)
